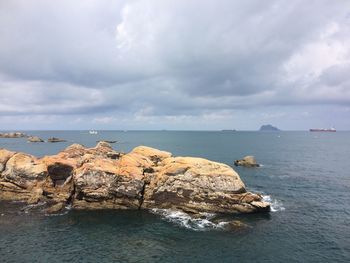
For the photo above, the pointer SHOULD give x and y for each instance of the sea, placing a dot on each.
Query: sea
(305, 175)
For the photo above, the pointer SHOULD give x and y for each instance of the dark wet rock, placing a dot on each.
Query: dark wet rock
(54, 139)
(235, 225)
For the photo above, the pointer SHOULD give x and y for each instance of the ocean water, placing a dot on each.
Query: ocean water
(305, 175)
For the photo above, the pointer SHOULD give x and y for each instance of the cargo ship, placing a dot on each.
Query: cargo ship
(323, 130)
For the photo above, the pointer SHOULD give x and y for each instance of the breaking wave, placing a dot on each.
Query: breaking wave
(276, 205)
(64, 211)
(182, 219)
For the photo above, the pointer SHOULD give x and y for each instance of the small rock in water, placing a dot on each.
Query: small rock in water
(54, 139)
(107, 141)
(236, 224)
(35, 139)
(55, 208)
(12, 135)
(248, 161)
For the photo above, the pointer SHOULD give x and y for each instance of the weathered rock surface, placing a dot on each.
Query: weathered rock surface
(195, 184)
(12, 135)
(35, 139)
(145, 178)
(248, 161)
(21, 175)
(5, 155)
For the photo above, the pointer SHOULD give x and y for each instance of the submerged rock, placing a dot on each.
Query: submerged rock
(248, 161)
(145, 178)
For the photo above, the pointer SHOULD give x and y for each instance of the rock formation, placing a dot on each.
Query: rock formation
(13, 135)
(145, 178)
(108, 141)
(35, 139)
(248, 161)
(54, 139)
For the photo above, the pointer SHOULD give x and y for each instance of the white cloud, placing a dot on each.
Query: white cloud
(168, 63)
(104, 120)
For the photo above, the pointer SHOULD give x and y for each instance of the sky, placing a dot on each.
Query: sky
(174, 64)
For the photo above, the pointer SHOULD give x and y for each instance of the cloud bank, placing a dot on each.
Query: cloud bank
(156, 64)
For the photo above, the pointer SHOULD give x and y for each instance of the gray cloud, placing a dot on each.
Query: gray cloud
(165, 62)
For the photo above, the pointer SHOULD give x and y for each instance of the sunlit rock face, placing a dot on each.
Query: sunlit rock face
(145, 178)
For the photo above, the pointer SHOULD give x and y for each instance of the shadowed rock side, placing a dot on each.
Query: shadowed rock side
(145, 178)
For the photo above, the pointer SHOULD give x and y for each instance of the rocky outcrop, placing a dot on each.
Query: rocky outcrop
(145, 178)
(195, 184)
(12, 135)
(54, 139)
(35, 139)
(248, 161)
(107, 141)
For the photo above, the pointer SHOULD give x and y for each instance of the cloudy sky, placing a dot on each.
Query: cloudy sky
(174, 64)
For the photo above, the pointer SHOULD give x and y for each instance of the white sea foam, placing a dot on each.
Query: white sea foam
(276, 205)
(64, 212)
(185, 220)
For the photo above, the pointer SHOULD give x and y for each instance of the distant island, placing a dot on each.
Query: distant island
(268, 127)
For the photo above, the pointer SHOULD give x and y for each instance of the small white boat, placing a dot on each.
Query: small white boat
(93, 132)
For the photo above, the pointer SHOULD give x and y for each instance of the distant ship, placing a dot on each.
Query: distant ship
(323, 130)
(93, 132)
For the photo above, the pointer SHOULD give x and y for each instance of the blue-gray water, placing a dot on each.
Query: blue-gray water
(306, 175)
